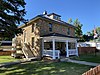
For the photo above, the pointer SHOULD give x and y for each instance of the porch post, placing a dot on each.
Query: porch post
(53, 41)
(67, 54)
(76, 49)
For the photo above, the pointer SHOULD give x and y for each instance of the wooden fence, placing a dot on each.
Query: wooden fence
(6, 52)
(86, 50)
(93, 71)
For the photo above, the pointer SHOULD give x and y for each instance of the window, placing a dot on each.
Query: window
(56, 17)
(68, 31)
(32, 42)
(33, 28)
(71, 45)
(25, 35)
(50, 27)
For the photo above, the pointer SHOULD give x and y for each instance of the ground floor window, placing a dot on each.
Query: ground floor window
(48, 45)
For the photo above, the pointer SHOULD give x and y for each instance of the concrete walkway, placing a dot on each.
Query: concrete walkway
(84, 62)
(80, 62)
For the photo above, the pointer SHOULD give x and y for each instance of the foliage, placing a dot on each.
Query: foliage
(78, 29)
(98, 32)
(86, 38)
(91, 34)
(11, 15)
(70, 20)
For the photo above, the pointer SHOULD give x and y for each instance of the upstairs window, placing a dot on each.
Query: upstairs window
(33, 28)
(50, 27)
(32, 42)
(68, 31)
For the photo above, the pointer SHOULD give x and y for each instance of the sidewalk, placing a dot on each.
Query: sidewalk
(81, 62)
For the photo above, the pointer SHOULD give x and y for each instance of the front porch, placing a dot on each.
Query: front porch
(56, 47)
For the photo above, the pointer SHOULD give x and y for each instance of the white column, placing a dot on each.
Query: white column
(67, 54)
(53, 42)
(42, 46)
(76, 49)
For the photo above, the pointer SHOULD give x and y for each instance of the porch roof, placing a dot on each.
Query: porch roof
(57, 34)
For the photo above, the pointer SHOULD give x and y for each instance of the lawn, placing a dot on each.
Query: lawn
(45, 68)
(4, 59)
(88, 57)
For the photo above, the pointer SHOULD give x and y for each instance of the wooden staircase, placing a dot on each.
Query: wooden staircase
(27, 51)
(23, 50)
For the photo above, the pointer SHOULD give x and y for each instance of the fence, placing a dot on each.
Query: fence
(93, 71)
(86, 50)
(5, 52)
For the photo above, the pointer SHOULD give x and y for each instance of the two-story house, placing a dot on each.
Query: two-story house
(48, 35)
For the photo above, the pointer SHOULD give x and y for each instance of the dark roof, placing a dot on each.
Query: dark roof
(47, 18)
(57, 34)
(56, 21)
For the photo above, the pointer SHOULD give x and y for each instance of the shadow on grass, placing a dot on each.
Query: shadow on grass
(45, 68)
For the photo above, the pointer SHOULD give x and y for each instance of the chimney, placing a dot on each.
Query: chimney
(45, 12)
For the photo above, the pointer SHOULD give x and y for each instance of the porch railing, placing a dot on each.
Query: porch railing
(72, 52)
(50, 53)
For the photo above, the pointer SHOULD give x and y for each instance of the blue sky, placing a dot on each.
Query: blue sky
(87, 11)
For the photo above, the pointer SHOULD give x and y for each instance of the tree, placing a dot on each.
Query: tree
(70, 21)
(78, 29)
(11, 15)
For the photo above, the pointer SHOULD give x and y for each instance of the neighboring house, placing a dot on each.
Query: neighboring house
(89, 44)
(48, 35)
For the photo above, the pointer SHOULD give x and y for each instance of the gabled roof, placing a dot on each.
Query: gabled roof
(46, 18)
(57, 34)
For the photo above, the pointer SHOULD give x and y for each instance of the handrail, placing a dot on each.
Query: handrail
(50, 53)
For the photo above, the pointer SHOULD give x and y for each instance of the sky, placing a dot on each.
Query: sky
(87, 11)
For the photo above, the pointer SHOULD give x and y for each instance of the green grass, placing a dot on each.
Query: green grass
(4, 59)
(45, 68)
(88, 57)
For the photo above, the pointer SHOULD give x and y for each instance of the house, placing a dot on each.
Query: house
(48, 35)
(89, 44)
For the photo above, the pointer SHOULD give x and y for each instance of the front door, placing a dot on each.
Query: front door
(62, 47)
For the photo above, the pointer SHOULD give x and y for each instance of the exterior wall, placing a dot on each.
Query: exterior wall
(57, 28)
(41, 27)
(28, 35)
